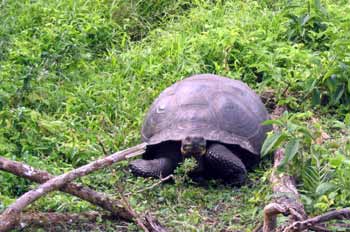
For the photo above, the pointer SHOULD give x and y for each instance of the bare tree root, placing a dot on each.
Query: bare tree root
(85, 193)
(11, 216)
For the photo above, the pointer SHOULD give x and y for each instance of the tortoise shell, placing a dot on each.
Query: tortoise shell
(214, 107)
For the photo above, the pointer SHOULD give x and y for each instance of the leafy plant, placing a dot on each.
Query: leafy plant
(292, 133)
(308, 26)
(320, 167)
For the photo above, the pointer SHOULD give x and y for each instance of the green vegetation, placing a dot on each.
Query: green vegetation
(77, 73)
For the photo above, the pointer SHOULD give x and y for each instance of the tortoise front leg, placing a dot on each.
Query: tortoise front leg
(159, 161)
(224, 164)
(160, 167)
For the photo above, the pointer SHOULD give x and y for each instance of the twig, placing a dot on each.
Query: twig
(147, 223)
(152, 186)
(85, 193)
(10, 217)
(128, 207)
(102, 145)
(285, 90)
(152, 223)
(320, 229)
(226, 56)
(258, 228)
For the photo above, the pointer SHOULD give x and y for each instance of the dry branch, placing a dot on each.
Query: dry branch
(309, 223)
(287, 201)
(11, 216)
(85, 193)
(152, 223)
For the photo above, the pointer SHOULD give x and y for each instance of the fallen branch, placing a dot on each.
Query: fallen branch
(287, 200)
(309, 223)
(11, 216)
(85, 193)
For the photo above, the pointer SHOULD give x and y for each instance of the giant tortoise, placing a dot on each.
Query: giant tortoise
(214, 119)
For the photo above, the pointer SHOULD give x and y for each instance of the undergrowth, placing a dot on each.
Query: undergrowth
(75, 74)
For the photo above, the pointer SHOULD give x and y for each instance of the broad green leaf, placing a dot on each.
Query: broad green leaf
(272, 121)
(325, 188)
(292, 126)
(338, 93)
(292, 17)
(306, 199)
(310, 177)
(291, 150)
(305, 131)
(347, 119)
(331, 83)
(305, 19)
(303, 115)
(310, 85)
(317, 4)
(272, 141)
(336, 161)
(316, 97)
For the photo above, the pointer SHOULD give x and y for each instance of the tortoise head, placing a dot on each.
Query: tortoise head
(193, 146)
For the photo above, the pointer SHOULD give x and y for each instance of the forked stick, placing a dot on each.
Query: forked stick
(85, 193)
(10, 217)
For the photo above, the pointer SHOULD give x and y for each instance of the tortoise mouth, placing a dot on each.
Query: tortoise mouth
(193, 152)
(193, 146)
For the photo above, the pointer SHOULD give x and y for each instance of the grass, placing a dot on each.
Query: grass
(73, 73)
